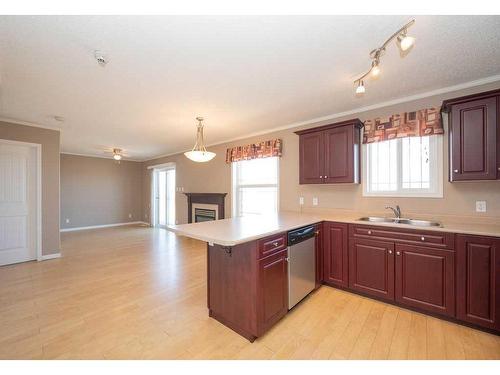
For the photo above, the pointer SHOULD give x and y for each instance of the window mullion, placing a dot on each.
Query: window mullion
(399, 165)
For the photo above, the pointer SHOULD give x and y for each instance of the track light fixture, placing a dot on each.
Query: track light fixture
(404, 42)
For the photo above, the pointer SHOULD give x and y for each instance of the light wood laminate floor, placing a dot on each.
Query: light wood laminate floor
(140, 293)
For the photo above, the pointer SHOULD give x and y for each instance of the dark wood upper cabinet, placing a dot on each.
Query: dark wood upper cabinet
(335, 254)
(330, 154)
(474, 136)
(425, 278)
(478, 280)
(371, 268)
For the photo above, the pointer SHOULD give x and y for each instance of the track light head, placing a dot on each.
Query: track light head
(375, 70)
(360, 90)
(405, 42)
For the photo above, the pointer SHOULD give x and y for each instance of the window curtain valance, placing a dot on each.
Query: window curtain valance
(264, 149)
(405, 124)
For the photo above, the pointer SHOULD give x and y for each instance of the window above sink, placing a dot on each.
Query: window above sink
(404, 167)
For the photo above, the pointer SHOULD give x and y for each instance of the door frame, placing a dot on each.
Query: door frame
(154, 170)
(38, 204)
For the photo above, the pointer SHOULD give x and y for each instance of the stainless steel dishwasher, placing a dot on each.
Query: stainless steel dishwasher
(301, 264)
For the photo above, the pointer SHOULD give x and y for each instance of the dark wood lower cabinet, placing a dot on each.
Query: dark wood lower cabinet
(371, 268)
(319, 255)
(478, 280)
(273, 290)
(425, 278)
(335, 254)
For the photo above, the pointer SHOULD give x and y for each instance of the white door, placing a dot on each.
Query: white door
(164, 181)
(18, 205)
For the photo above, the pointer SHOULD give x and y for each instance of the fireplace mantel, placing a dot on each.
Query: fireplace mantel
(206, 198)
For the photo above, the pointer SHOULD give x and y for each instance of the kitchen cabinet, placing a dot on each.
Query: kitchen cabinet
(335, 254)
(412, 268)
(371, 268)
(273, 289)
(478, 280)
(330, 154)
(425, 278)
(474, 136)
(319, 243)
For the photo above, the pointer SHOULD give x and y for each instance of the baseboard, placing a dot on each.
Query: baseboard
(51, 256)
(103, 226)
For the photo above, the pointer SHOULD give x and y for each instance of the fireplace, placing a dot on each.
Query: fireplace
(205, 206)
(202, 214)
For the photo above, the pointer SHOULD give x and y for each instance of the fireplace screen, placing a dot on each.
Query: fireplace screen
(202, 214)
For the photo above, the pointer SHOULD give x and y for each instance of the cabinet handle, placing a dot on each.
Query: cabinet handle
(369, 232)
(422, 238)
(398, 253)
(316, 233)
(326, 176)
(499, 168)
(390, 251)
(455, 170)
(275, 244)
(287, 259)
(320, 176)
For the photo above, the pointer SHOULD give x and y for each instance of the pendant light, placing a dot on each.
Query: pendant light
(199, 152)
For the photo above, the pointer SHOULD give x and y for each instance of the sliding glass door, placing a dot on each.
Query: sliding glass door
(164, 197)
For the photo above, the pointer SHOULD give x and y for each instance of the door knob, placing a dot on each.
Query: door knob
(369, 232)
(275, 243)
(398, 253)
(422, 238)
(455, 170)
(390, 251)
(326, 176)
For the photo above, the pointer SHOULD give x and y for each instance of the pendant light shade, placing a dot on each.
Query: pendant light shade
(199, 152)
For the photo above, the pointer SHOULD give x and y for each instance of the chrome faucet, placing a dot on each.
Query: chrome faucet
(397, 211)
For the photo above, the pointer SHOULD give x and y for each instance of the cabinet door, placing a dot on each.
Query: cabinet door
(473, 140)
(319, 255)
(311, 158)
(339, 155)
(335, 254)
(273, 287)
(371, 267)
(478, 280)
(425, 278)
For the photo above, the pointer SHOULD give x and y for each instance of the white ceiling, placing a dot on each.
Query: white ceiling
(243, 74)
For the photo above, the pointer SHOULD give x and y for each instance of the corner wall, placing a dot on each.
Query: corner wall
(98, 191)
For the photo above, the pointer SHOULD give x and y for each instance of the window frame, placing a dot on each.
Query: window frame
(235, 206)
(437, 172)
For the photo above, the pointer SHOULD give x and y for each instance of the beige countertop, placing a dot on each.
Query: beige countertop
(233, 231)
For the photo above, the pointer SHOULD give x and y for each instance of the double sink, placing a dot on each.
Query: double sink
(394, 220)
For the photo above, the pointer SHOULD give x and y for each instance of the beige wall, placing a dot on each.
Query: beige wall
(49, 139)
(215, 176)
(98, 191)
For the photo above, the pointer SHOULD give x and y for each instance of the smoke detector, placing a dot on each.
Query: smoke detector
(101, 59)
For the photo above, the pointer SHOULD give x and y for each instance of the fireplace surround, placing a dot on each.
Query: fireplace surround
(203, 203)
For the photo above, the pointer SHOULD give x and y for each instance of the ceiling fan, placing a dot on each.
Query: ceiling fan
(117, 153)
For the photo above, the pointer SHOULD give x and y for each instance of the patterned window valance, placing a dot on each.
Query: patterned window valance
(401, 125)
(264, 149)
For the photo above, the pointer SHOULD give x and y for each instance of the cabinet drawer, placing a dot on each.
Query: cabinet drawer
(272, 244)
(429, 238)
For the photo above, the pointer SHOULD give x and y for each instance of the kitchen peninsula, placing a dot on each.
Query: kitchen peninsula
(450, 271)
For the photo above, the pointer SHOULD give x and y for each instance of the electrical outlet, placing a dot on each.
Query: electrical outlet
(301, 201)
(315, 201)
(480, 206)
(130, 216)
(67, 221)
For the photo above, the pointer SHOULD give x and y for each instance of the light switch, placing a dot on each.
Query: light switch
(67, 221)
(301, 201)
(315, 201)
(130, 216)
(480, 206)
